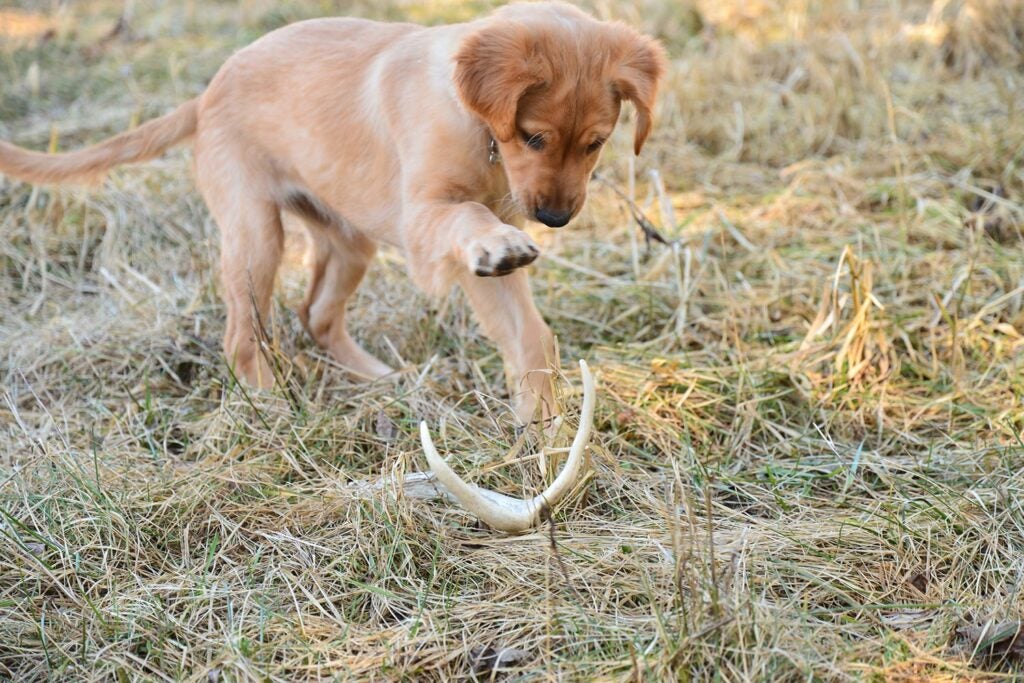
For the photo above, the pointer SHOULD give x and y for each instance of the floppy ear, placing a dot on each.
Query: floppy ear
(636, 78)
(494, 67)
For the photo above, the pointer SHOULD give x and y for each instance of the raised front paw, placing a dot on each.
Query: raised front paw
(501, 251)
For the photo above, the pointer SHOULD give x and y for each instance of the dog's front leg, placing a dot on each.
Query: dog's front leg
(504, 306)
(467, 243)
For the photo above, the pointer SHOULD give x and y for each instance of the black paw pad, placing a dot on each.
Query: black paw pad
(512, 261)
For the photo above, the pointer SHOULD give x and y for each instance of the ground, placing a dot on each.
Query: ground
(807, 459)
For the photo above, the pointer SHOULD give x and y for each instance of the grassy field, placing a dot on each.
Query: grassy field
(808, 456)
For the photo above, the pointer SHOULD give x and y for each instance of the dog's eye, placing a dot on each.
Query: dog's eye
(594, 146)
(534, 141)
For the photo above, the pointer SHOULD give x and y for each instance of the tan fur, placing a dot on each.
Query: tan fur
(378, 133)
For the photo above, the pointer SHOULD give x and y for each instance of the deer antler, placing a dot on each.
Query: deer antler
(516, 514)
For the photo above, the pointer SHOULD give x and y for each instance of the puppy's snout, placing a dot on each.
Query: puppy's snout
(553, 218)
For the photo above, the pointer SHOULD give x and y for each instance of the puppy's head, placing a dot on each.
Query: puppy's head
(548, 81)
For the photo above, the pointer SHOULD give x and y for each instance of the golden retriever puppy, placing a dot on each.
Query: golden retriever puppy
(438, 141)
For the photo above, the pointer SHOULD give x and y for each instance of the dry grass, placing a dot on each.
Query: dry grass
(809, 455)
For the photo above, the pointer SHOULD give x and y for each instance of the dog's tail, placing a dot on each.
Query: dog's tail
(145, 142)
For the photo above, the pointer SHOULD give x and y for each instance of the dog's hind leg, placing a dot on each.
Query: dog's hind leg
(340, 258)
(251, 245)
(252, 240)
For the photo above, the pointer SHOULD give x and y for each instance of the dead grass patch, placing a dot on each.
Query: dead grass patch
(808, 445)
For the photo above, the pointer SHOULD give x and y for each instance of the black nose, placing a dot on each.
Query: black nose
(553, 219)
